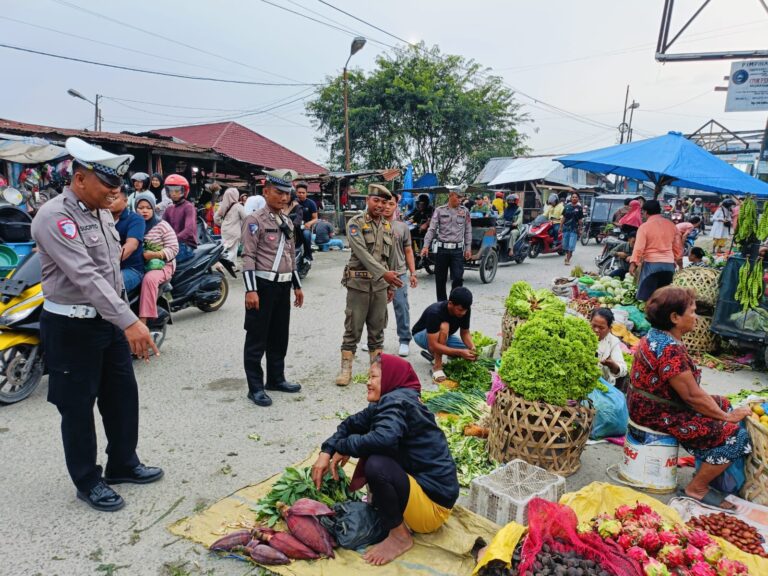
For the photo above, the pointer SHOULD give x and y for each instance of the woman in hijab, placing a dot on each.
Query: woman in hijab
(253, 204)
(632, 219)
(160, 249)
(230, 217)
(403, 458)
(158, 190)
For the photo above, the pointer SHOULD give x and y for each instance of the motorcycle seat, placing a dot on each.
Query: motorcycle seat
(202, 252)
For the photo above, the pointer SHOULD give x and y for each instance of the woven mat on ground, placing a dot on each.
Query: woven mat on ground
(446, 552)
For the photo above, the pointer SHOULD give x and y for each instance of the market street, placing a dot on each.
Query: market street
(197, 424)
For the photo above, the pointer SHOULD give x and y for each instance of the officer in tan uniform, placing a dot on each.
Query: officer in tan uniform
(370, 279)
(88, 330)
(269, 271)
(451, 227)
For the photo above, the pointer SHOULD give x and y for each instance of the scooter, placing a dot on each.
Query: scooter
(303, 265)
(424, 263)
(541, 239)
(520, 249)
(690, 240)
(200, 281)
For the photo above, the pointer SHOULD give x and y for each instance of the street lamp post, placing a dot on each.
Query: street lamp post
(96, 110)
(357, 45)
(632, 107)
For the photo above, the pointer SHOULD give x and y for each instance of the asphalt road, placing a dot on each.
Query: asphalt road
(198, 425)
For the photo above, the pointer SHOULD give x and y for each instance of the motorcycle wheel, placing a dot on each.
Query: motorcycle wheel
(598, 239)
(158, 335)
(605, 268)
(535, 249)
(16, 382)
(488, 266)
(213, 306)
(429, 267)
(584, 238)
(524, 251)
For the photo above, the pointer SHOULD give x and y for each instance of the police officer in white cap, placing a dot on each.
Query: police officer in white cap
(88, 329)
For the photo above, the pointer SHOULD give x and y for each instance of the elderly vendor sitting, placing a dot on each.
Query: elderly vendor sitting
(609, 354)
(666, 395)
(403, 457)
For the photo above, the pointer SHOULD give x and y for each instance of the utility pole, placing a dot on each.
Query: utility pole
(623, 125)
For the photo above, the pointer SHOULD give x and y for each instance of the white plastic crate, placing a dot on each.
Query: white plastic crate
(503, 495)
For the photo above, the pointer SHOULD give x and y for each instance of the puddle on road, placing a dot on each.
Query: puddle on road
(227, 384)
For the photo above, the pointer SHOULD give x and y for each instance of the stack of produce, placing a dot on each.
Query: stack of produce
(584, 304)
(663, 549)
(747, 228)
(730, 528)
(470, 375)
(521, 302)
(611, 291)
(750, 287)
(549, 562)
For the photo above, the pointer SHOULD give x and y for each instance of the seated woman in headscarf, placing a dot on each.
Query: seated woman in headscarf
(160, 249)
(633, 219)
(403, 457)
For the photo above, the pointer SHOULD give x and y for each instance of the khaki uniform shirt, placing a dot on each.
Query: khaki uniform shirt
(80, 257)
(373, 254)
(450, 225)
(261, 236)
(402, 237)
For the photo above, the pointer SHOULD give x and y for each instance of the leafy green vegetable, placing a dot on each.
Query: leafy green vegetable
(522, 300)
(470, 375)
(297, 483)
(471, 402)
(480, 340)
(744, 394)
(552, 359)
(469, 453)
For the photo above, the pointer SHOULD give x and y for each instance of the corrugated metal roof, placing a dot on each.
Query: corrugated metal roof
(542, 168)
(492, 169)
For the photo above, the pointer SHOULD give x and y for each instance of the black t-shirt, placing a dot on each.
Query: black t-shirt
(436, 314)
(309, 207)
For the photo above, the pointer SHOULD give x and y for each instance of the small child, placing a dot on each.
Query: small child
(696, 257)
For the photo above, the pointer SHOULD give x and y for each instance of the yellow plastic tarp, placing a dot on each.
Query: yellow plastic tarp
(601, 497)
(446, 552)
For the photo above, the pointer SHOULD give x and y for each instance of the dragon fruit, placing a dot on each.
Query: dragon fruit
(608, 528)
(701, 568)
(655, 568)
(699, 538)
(693, 554)
(650, 520)
(727, 567)
(624, 513)
(680, 571)
(625, 541)
(682, 532)
(672, 555)
(638, 554)
(669, 537)
(649, 540)
(584, 527)
(642, 509)
(712, 553)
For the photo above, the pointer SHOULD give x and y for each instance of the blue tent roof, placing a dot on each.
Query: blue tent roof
(668, 160)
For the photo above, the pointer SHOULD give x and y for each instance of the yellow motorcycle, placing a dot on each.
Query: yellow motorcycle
(21, 357)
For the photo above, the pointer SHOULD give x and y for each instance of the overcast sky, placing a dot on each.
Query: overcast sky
(578, 56)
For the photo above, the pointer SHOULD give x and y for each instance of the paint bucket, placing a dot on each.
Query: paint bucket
(650, 459)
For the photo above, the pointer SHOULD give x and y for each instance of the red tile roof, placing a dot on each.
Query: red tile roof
(243, 144)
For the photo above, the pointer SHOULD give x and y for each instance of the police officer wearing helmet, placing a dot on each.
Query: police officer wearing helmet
(452, 229)
(88, 330)
(269, 271)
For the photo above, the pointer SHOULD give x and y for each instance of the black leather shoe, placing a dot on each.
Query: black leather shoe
(102, 497)
(260, 398)
(284, 386)
(137, 475)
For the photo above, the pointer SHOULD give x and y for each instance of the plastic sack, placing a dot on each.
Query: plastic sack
(154, 264)
(611, 413)
(563, 286)
(355, 525)
(637, 318)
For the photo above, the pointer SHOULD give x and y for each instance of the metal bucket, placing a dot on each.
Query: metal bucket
(650, 459)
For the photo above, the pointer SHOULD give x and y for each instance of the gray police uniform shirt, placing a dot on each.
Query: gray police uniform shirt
(261, 237)
(80, 257)
(450, 225)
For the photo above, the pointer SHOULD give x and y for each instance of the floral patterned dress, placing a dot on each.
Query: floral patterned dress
(658, 359)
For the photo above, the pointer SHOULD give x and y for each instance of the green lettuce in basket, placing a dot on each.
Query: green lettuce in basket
(481, 340)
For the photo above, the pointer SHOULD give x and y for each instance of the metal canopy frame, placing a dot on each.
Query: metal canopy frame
(664, 42)
(717, 139)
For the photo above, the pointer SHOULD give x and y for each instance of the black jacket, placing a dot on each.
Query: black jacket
(401, 427)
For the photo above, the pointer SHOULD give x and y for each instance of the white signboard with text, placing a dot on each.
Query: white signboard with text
(748, 86)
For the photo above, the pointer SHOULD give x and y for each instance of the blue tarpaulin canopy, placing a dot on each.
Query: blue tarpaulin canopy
(670, 160)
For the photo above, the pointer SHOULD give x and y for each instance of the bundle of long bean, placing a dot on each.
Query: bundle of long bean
(746, 230)
(750, 287)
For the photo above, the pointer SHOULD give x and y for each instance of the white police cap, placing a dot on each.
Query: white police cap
(110, 168)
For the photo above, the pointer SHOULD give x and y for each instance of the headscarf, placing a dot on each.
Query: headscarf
(231, 196)
(253, 204)
(633, 217)
(156, 190)
(397, 373)
(149, 197)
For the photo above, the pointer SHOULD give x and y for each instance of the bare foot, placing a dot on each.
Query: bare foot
(397, 543)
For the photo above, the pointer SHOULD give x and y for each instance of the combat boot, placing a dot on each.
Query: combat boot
(374, 353)
(345, 376)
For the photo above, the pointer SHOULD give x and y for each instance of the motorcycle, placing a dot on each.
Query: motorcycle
(690, 240)
(21, 301)
(424, 263)
(541, 239)
(606, 262)
(302, 264)
(520, 249)
(200, 281)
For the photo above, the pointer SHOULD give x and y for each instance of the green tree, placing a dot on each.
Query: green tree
(442, 113)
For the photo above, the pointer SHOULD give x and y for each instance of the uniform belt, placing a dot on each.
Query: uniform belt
(70, 310)
(274, 276)
(450, 245)
(359, 274)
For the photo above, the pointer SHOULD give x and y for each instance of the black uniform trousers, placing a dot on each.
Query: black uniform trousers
(266, 331)
(444, 260)
(89, 361)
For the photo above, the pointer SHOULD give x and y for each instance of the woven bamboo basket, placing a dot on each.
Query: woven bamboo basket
(509, 324)
(548, 436)
(701, 340)
(705, 281)
(756, 465)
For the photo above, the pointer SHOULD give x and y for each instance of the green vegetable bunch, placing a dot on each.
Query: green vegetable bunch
(470, 375)
(470, 403)
(762, 226)
(746, 229)
(296, 483)
(469, 453)
(552, 359)
(480, 340)
(522, 300)
(750, 287)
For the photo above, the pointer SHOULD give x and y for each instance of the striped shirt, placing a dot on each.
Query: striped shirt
(162, 234)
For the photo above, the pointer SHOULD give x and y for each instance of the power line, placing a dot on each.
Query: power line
(366, 22)
(153, 72)
(176, 105)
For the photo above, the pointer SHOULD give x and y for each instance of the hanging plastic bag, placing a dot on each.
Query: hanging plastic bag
(355, 525)
(611, 413)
